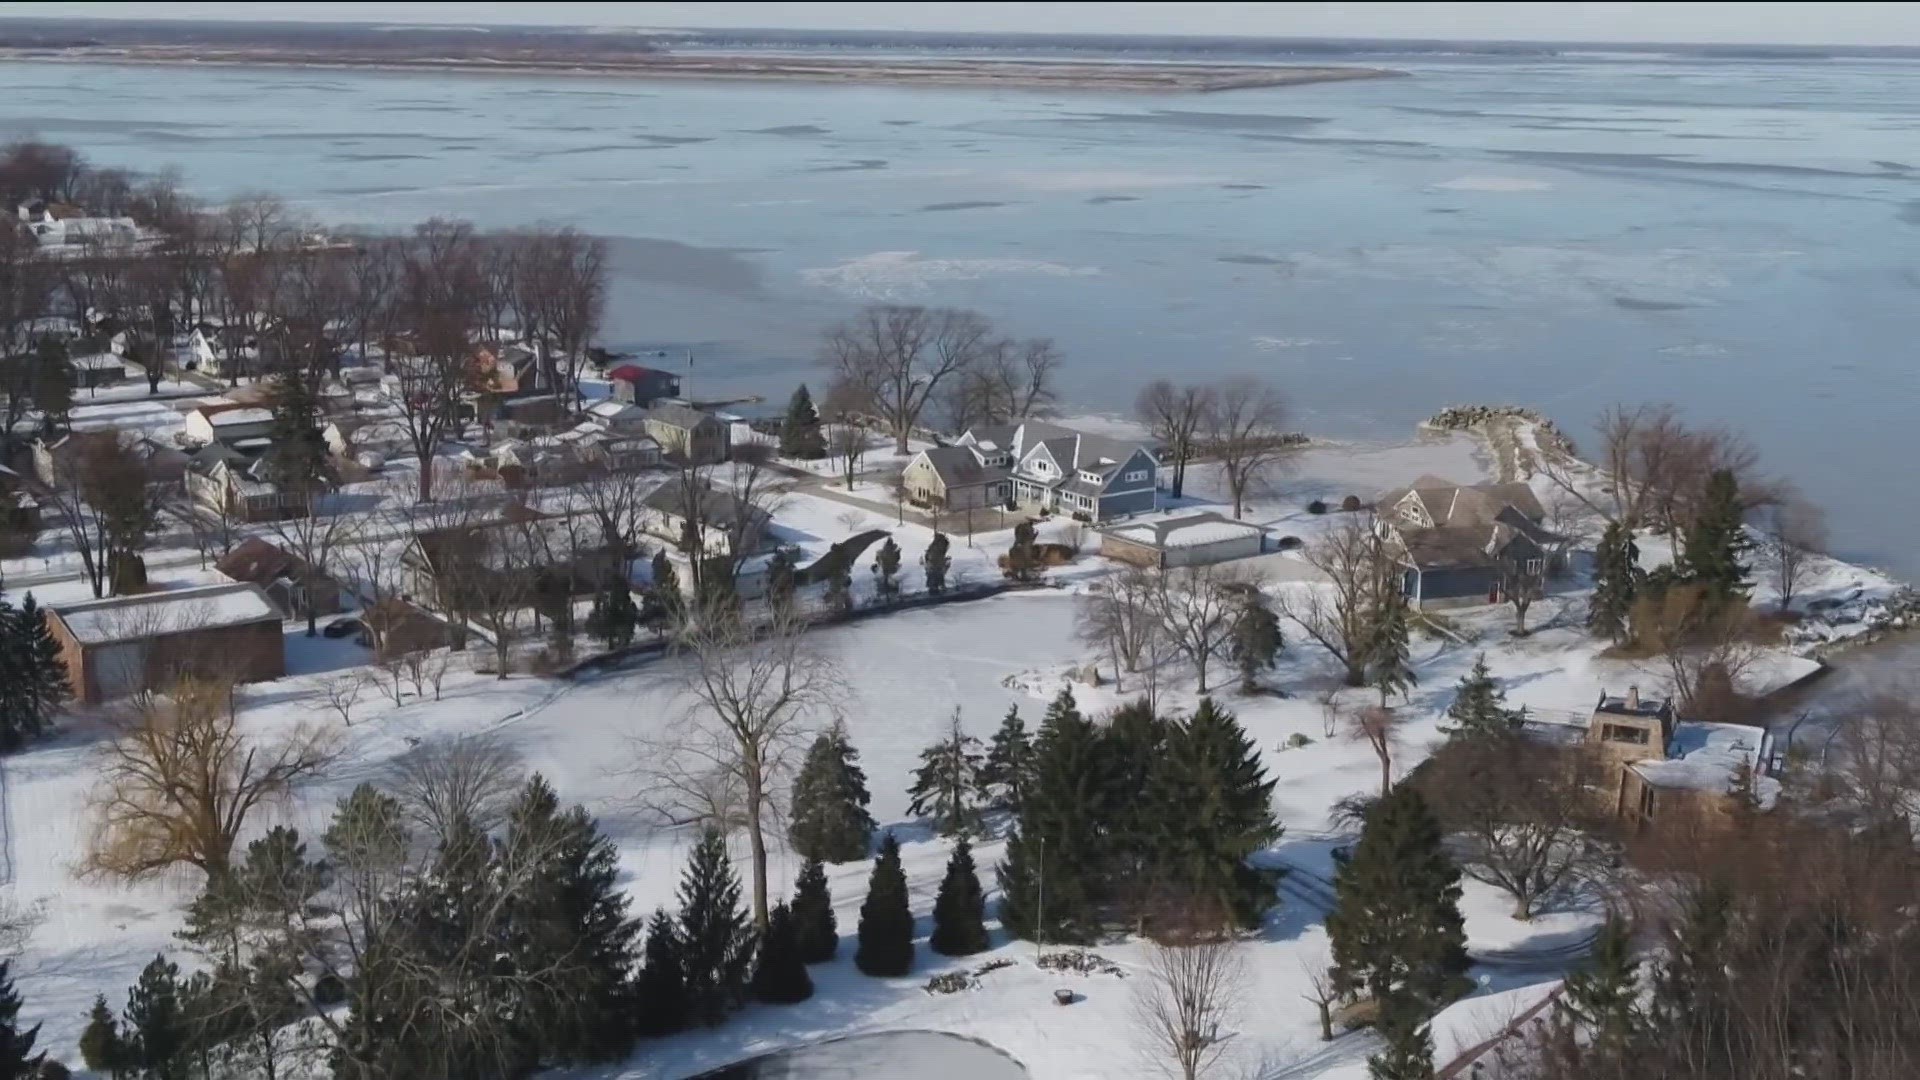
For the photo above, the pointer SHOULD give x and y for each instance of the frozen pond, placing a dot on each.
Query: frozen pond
(924, 1055)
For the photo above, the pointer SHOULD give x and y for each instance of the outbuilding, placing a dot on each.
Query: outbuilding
(125, 644)
(1196, 539)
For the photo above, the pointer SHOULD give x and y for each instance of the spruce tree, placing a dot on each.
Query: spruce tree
(1479, 709)
(17, 1059)
(886, 569)
(1715, 545)
(779, 974)
(1058, 841)
(18, 715)
(960, 908)
(936, 562)
(1692, 988)
(830, 820)
(1022, 561)
(839, 594)
(158, 1034)
(52, 385)
(614, 616)
(1604, 995)
(1408, 1053)
(1009, 766)
(297, 459)
(102, 1048)
(35, 660)
(780, 578)
(1389, 655)
(1616, 583)
(800, 435)
(664, 597)
(886, 920)
(1134, 740)
(715, 935)
(1396, 925)
(816, 931)
(1255, 641)
(662, 986)
(570, 920)
(946, 786)
(1216, 813)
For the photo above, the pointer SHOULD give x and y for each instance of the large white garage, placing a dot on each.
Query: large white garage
(1186, 540)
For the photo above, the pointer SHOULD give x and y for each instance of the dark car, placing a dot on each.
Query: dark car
(340, 628)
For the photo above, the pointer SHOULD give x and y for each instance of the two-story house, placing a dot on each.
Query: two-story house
(1462, 544)
(1050, 467)
(687, 434)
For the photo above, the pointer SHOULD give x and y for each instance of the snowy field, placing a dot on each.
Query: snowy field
(904, 673)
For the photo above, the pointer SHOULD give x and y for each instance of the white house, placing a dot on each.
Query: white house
(196, 354)
(621, 416)
(227, 421)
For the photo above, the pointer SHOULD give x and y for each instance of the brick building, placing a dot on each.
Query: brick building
(125, 644)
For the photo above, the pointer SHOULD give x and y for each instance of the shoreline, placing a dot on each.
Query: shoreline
(854, 71)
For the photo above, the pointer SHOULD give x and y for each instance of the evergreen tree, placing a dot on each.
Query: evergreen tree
(936, 562)
(1408, 1053)
(1715, 545)
(780, 578)
(662, 986)
(1022, 561)
(1255, 642)
(1616, 582)
(34, 671)
(1479, 709)
(800, 435)
(715, 935)
(886, 568)
(830, 820)
(664, 597)
(1217, 813)
(960, 909)
(1389, 656)
(158, 1035)
(1604, 995)
(17, 1059)
(102, 1049)
(946, 786)
(1058, 840)
(1135, 741)
(1009, 766)
(816, 931)
(570, 920)
(1692, 991)
(839, 594)
(297, 459)
(886, 920)
(780, 975)
(614, 616)
(52, 385)
(1396, 926)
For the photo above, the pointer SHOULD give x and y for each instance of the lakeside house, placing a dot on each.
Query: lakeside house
(677, 509)
(1458, 544)
(955, 478)
(125, 644)
(1195, 539)
(637, 384)
(1662, 772)
(1057, 469)
(687, 434)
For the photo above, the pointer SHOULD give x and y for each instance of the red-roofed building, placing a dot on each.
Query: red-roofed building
(643, 385)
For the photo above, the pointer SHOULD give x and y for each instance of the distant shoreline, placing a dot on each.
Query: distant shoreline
(955, 73)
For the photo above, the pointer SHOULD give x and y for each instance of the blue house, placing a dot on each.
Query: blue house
(1055, 468)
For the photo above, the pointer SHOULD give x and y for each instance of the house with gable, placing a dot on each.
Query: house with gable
(1459, 545)
(1055, 468)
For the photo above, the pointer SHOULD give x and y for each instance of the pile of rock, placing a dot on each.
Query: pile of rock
(1472, 417)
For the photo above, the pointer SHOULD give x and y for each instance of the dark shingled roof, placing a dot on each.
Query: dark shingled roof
(959, 466)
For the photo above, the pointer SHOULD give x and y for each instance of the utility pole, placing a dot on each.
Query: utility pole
(1040, 921)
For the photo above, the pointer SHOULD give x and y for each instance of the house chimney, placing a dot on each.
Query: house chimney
(1633, 699)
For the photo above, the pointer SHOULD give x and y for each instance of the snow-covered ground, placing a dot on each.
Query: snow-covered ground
(905, 673)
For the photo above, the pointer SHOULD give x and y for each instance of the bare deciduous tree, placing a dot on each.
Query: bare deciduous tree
(1704, 643)
(1242, 433)
(340, 693)
(1196, 606)
(1120, 616)
(1323, 991)
(756, 693)
(1337, 615)
(444, 783)
(1792, 533)
(179, 778)
(1378, 727)
(1174, 416)
(1193, 987)
(1521, 812)
(441, 285)
(1521, 583)
(892, 360)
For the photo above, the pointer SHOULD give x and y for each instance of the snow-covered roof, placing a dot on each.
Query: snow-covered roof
(1190, 530)
(96, 362)
(1707, 757)
(126, 618)
(228, 417)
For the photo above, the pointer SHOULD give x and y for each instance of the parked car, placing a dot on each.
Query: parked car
(342, 627)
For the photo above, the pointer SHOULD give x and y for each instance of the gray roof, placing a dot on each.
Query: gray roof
(1071, 450)
(1462, 545)
(960, 466)
(1447, 503)
(718, 506)
(680, 416)
(1205, 526)
(1440, 523)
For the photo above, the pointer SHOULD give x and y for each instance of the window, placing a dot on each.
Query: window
(1136, 476)
(1536, 566)
(1620, 733)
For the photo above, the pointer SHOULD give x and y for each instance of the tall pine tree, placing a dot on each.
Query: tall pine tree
(886, 918)
(1008, 771)
(1389, 653)
(800, 435)
(40, 665)
(886, 569)
(1714, 547)
(102, 1047)
(297, 459)
(1255, 640)
(816, 931)
(781, 581)
(158, 1035)
(665, 605)
(1051, 877)
(17, 1059)
(935, 561)
(1408, 1050)
(1479, 709)
(1218, 812)
(1396, 925)
(960, 908)
(1616, 583)
(1135, 742)
(779, 974)
(946, 786)
(662, 986)
(1603, 997)
(715, 935)
(830, 820)
(614, 616)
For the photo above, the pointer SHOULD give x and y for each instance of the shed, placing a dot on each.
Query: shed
(1186, 540)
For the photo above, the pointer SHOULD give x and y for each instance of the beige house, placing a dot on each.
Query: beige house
(1664, 773)
(686, 433)
(955, 478)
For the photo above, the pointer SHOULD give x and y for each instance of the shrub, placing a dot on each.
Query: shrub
(1316, 507)
(1350, 504)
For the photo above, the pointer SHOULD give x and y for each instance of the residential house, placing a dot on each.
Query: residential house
(687, 434)
(679, 510)
(640, 385)
(956, 478)
(299, 589)
(232, 483)
(351, 437)
(1665, 773)
(621, 416)
(1196, 539)
(1459, 545)
(227, 422)
(1057, 469)
(97, 370)
(197, 353)
(125, 644)
(519, 556)
(394, 627)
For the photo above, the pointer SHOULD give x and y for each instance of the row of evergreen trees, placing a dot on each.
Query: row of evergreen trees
(33, 679)
(1710, 553)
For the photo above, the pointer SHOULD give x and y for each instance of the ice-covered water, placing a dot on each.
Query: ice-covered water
(1738, 236)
